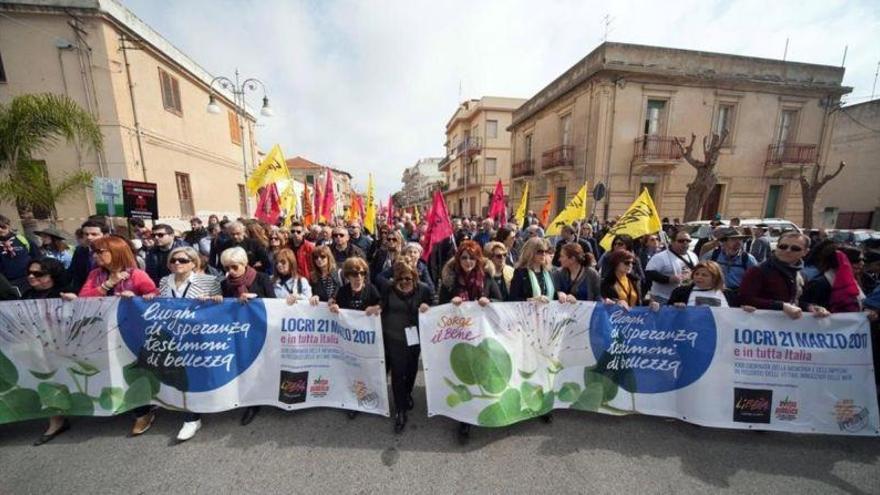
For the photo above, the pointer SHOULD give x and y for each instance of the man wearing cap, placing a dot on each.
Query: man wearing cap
(55, 245)
(761, 245)
(733, 259)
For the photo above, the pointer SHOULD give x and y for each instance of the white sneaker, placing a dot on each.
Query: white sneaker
(189, 430)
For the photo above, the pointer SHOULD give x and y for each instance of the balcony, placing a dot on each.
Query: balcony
(469, 147)
(524, 168)
(558, 157)
(653, 153)
(791, 154)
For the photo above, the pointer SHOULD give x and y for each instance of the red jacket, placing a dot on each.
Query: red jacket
(767, 286)
(138, 282)
(303, 258)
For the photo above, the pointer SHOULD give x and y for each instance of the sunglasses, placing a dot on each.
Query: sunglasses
(320, 257)
(683, 241)
(393, 240)
(159, 234)
(339, 235)
(297, 232)
(274, 238)
(789, 247)
(180, 261)
(357, 274)
(542, 251)
(406, 279)
(99, 251)
(37, 274)
(627, 263)
(499, 256)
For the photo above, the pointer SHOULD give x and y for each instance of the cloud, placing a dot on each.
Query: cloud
(369, 86)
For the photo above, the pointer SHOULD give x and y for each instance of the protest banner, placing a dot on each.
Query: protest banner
(717, 367)
(99, 357)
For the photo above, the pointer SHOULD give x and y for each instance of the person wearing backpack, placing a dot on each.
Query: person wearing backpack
(733, 259)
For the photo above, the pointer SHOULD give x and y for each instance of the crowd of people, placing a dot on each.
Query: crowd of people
(341, 264)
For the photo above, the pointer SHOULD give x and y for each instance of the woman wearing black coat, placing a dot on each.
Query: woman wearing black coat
(619, 285)
(532, 279)
(468, 277)
(244, 283)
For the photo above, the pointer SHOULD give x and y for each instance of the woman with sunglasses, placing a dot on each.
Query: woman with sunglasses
(244, 283)
(276, 243)
(626, 243)
(532, 280)
(387, 255)
(412, 255)
(775, 283)
(289, 284)
(835, 287)
(357, 292)
(47, 279)
(401, 303)
(619, 285)
(497, 253)
(117, 275)
(576, 278)
(323, 275)
(185, 282)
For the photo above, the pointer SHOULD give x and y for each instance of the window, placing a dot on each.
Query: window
(560, 199)
(310, 179)
(170, 92)
(242, 200)
(491, 166)
(528, 147)
(774, 193)
(2, 71)
(491, 129)
(473, 205)
(565, 127)
(184, 193)
(234, 128)
(651, 187)
(655, 117)
(787, 126)
(724, 121)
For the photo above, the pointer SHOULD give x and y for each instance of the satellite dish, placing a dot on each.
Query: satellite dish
(599, 191)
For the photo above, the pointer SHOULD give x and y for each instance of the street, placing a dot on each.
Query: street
(322, 451)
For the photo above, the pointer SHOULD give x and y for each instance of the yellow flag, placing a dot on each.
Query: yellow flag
(271, 170)
(288, 203)
(523, 207)
(417, 216)
(370, 209)
(576, 210)
(640, 219)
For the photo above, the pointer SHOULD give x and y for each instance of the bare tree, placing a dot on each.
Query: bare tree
(701, 187)
(810, 187)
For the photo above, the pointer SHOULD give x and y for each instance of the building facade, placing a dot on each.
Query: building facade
(420, 181)
(477, 153)
(852, 199)
(311, 173)
(149, 99)
(612, 118)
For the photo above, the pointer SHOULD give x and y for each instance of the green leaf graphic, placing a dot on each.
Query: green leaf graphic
(532, 396)
(494, 368)
(609, 388)
(20, 404)
(133, 373)
(569, 392)
(590, 399)
(452, 400)
(526, 375)
(43, 376)
(462, 359)
(81, 405)
(85, 369)
(504, 412)
(8, 373)
(111, 398)
(54, 395)
(138, 394)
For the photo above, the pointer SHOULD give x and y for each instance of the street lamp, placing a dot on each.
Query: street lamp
(238, 88)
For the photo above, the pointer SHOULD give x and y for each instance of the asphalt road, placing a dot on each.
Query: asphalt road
(322, 451)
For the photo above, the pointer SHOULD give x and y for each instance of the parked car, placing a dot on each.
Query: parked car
(856, 237)
(701, 229)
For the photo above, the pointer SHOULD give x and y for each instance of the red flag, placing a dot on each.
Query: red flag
(360, 207)
(497, 209)
(439, 226)
(308, 215)
(545, 211)
(319, 203)
(328, 208)
(390, 218)
(269, 206)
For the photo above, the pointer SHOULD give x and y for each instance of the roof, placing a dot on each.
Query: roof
(126, 19)
(691, 66)
(300, 163)
(467, 109)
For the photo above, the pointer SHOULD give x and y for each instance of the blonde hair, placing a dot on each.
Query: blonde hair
(190, 253)
(530, 248)
(715, 272)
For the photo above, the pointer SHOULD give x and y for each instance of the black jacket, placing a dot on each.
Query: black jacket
(449, 286)
(520, 287)
(345, 299)
(256, 253)
(606, 287)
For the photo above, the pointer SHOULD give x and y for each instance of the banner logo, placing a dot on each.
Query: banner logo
(366, 398)
(293, 387)
(193, 346)
(787, 410)
(752, 405)
(850, 417)
(320, 387)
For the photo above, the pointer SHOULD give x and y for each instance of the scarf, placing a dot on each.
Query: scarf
(791, 274)
(241, 284)
(470, 284)
(536, 288)
(844, 290)
(626, 291)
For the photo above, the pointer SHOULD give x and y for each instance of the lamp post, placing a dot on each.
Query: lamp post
(238, 88)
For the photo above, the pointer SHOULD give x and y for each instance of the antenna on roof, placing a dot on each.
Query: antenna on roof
(876, 73)
(785, 53)
(843, 62)
(459, 90)
(607, 20)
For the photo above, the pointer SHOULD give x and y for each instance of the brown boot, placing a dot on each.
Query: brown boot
(143, 423)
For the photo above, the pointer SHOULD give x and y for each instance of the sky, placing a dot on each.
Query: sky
(368, 86)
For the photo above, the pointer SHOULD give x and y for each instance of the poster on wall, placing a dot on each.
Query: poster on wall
(108, 196)
(140, 200)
